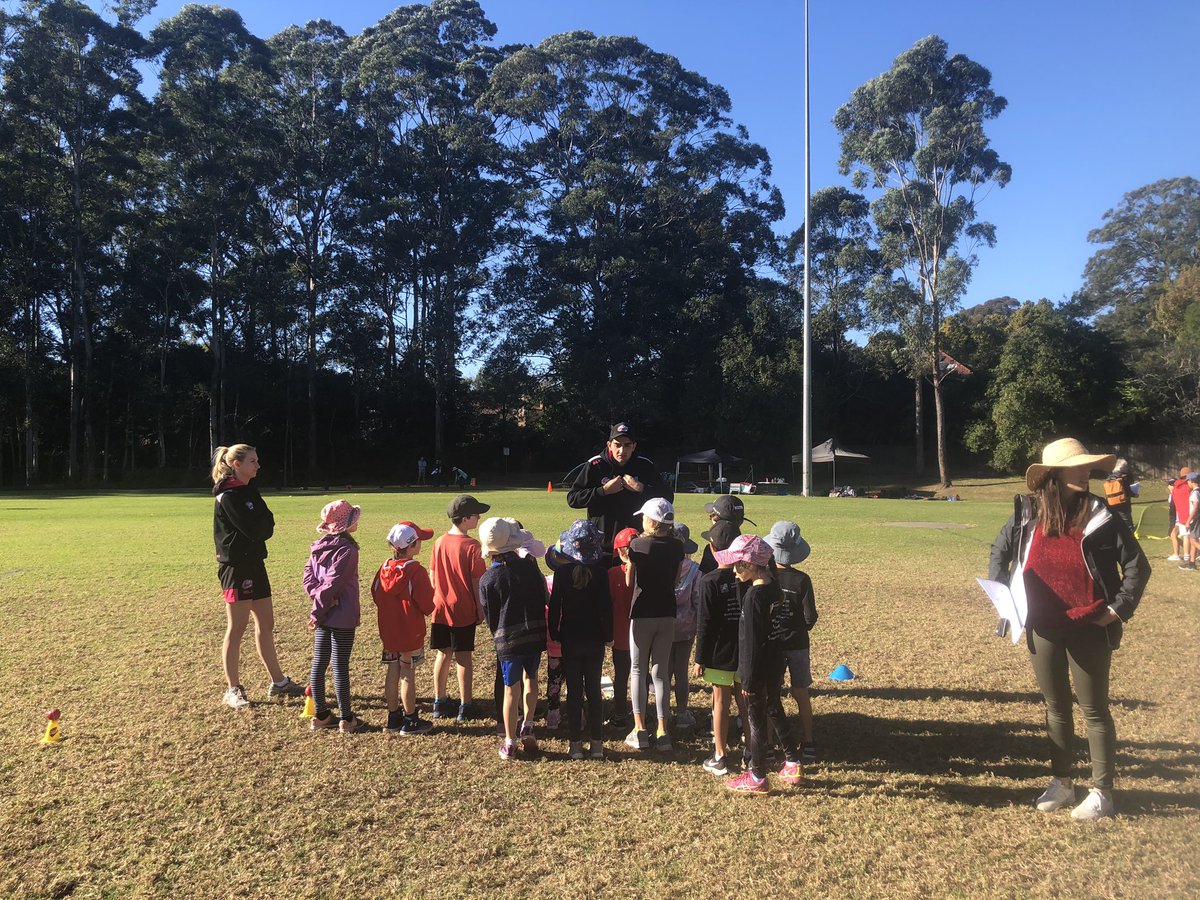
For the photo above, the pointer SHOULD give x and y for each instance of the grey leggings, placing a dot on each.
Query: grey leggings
(681, 658)
(650, 647)
(1083, 654)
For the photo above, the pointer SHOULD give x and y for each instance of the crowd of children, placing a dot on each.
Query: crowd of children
(645, 601)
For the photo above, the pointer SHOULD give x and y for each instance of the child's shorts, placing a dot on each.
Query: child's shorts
(458, 639)
(390, 656)
(798, 667)
(245, 581)
(512, 670)
(720, 677)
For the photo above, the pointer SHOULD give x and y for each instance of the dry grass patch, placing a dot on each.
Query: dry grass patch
(930, 758)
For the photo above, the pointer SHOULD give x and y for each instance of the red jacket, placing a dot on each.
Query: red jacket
(403, 596)
(622, 600)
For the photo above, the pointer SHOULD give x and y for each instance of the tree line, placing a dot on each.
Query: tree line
(352, 250)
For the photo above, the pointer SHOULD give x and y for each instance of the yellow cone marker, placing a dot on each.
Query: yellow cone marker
(310, 705)
(53, 733)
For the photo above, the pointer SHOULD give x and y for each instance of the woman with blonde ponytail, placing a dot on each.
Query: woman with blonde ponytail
(242, 525)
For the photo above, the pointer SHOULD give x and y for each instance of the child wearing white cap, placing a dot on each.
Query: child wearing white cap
(514, 602)
(403, 596)
(654, 560)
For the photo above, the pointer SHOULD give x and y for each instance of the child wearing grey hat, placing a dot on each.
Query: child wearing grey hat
(792, 619)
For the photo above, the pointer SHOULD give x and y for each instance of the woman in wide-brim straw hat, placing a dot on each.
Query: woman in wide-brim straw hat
(1083, 573)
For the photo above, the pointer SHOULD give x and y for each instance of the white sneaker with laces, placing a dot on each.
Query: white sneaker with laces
(235, 698)
(1096, 805)
(1174, 557)
(1060, 793)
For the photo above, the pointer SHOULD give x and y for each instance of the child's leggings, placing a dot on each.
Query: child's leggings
(555, 676)
(650, 651)
(620, 659)
(765, 705)
(338, 642)
(582, 662)
(681, 652)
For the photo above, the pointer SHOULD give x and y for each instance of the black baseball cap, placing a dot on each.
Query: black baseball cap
(721, 535)
(729, 508)
(622, 430)
(465, 505)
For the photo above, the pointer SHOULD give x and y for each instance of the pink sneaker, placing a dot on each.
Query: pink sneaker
(791, 773)
(508, 752)
(746, 783)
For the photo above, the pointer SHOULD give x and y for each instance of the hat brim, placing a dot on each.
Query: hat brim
(790, 556)
(1036, 473)
(689, 546)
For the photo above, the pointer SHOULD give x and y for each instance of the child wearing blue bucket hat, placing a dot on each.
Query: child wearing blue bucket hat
(791, 620)
(581, 621)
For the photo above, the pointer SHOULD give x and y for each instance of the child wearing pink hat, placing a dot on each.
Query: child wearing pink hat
(331, 580)
(760, 664)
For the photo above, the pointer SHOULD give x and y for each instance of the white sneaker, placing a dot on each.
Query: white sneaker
(235, 698)
(1096, 805)
(1174, 557)
(1060, 793)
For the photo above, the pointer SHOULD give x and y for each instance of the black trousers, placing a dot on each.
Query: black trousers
(765, 705)
(582, 662)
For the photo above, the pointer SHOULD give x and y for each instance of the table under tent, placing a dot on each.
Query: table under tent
(709, 459)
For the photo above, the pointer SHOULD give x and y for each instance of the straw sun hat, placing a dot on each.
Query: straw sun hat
(1066, 453)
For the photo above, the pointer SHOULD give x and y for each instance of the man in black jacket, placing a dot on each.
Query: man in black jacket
(614, 484)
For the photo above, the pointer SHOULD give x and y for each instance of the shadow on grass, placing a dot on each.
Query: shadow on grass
(971, 695)
(854, 744)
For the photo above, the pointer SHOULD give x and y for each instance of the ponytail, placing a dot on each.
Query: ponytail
(581, 576)
(224, 456)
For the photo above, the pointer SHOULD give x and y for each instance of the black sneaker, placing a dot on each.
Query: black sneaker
(619, 721)
(395, 722)
(444, 708)
(716, 765)
(808, 752)
(414, 724)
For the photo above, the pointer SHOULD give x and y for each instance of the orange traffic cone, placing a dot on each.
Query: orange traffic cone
(310, 705)
(53, 734)
(549, 487)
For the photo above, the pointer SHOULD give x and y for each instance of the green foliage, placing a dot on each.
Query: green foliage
(916, 134)
(1054, 378)
(1146, 242)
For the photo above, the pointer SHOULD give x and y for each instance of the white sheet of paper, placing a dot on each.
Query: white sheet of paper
(1011, 605)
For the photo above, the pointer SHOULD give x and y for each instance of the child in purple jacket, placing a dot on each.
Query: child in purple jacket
(331, 580)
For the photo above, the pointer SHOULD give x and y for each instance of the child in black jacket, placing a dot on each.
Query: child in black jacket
(760, 664)
(717, 655)
(581, 620)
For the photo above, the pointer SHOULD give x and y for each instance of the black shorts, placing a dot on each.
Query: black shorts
(244, 581)
(448, 637)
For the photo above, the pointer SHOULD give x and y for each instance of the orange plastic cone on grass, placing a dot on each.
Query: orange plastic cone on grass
(549, 487)
(53, 733)
(310, 705)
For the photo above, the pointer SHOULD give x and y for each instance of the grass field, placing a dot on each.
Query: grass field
(931, 758)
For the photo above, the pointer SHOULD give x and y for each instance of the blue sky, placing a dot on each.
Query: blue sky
(1102, 98)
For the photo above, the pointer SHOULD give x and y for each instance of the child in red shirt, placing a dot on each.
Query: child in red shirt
(403, 596)
(622, 600)
(456, 567)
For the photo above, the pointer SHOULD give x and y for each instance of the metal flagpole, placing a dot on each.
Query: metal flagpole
(806, 470)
